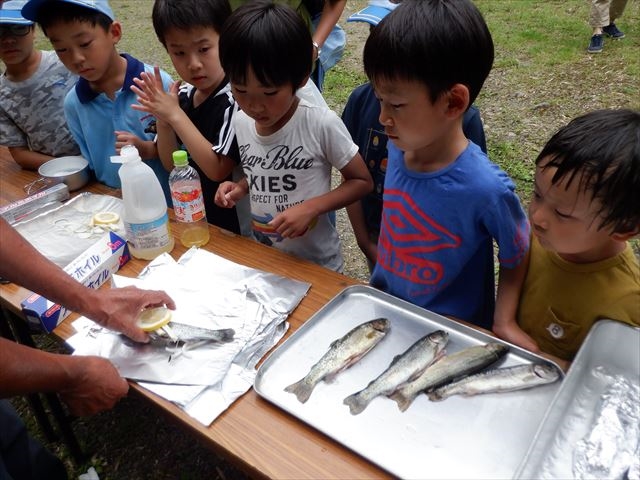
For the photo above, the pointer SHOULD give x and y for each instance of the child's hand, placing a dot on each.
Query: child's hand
(153, 99)
(228, 194)
(294, 221)
(512, 333)
(146, 148)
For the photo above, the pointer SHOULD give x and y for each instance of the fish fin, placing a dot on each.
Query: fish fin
(401, 399)
(435, 396)
(356, 403)
(302, 390)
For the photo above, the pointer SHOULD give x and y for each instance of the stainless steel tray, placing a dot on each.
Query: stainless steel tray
(477, 437)
(610, 346)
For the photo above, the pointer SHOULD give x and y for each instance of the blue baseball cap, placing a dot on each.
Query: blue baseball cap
(30, 10)
(374, 12)
(10, 13)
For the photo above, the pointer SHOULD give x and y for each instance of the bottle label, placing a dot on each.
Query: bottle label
(149, 235)
(188, 205)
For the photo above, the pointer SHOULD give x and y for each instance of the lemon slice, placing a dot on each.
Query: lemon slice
(105, 218)
(154, 318)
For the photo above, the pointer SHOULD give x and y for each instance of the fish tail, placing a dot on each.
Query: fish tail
(356, 403)
(302, 390)
(227, 334)
(401, 399)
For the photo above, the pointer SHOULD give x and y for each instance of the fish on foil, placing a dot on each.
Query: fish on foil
(177, 334)
(403, 368)
(448, 369)
(342, 353)
(498, 380)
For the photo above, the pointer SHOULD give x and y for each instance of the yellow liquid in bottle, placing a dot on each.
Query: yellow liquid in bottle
(195, 235)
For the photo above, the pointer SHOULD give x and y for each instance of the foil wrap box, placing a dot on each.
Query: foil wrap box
(92, 268)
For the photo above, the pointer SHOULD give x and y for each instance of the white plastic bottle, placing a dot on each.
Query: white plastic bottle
(145, 208)
(188, 204)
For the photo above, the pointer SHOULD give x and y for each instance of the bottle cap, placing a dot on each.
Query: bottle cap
(128, 153)
(180, 158)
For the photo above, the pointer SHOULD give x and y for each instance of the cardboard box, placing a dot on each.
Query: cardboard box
(21, 209)
(92, 268)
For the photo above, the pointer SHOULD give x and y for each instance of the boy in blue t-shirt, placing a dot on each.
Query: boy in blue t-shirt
(196, 116)
(84, 34)
(361, 117)
(444, 201)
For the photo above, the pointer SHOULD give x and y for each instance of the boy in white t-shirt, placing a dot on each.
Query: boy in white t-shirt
(287, 145)
(32, 91)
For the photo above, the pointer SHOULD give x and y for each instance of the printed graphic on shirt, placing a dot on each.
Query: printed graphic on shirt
(274, 184)
(407, 239)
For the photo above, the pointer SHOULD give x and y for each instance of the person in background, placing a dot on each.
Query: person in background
(601, 19)
(84, 34)
(583, 211)
(444, 202)
(87, 385)
(329, 39)
(196, 116)
(287, 145)
(361, 116)
(32, 91)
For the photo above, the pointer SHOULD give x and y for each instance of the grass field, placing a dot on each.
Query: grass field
(542, 77)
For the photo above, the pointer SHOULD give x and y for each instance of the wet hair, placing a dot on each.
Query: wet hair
(51, 13)
(270, 38)
(601, 150)
(436, 42)
(187, 14)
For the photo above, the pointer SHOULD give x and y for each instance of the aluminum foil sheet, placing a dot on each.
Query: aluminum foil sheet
(210, 292)
(64, 232)
(608, 449)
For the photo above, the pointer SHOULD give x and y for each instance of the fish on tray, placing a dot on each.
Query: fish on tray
(448, 369)
(498, 380)
(342, 353)
(403, 368)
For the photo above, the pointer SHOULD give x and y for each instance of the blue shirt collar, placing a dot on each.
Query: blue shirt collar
(134, 68)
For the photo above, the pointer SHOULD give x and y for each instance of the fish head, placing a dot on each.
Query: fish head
(440, 338)
(380, 324)
(546, 372)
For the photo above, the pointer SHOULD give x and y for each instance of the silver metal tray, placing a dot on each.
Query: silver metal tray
(485, 436)
(610, 347)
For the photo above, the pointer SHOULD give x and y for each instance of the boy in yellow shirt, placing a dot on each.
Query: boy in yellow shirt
(584, 209)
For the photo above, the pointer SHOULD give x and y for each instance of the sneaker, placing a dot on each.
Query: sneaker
(612, 31)
(596, 44)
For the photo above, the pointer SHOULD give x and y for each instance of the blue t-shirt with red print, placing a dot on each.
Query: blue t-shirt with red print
(436, 236)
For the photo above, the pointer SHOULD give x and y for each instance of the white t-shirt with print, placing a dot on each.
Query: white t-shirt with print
(291, 166)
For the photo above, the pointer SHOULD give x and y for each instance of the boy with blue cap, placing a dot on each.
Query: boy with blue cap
(32, 91)
(84, 34)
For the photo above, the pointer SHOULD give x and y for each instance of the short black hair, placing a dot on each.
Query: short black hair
(436, 42)
(187, 14)
(53, 12)
(601, 150)
(270, 38)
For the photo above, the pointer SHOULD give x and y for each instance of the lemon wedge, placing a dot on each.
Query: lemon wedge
(154, 318)
(105, 218)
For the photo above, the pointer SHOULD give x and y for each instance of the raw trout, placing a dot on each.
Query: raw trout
(342, 353)
(447, 369)
(499, 380)
(403, 368)
(177, 334)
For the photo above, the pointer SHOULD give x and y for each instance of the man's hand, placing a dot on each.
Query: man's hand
(118, 308)
(94, 385)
